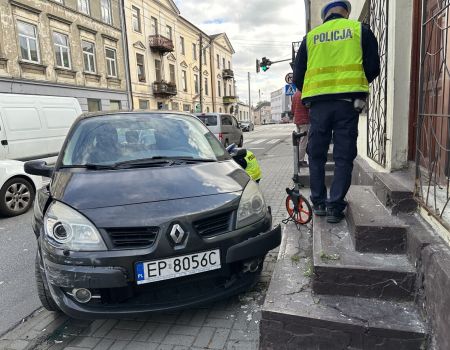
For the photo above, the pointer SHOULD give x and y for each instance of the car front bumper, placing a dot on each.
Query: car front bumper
(173, 294)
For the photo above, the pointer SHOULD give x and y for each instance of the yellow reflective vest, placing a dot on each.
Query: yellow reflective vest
(335, 59)
(253, 168)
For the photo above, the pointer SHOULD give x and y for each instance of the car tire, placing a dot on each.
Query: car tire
(241, 142)
(44, 295)
(16, 196)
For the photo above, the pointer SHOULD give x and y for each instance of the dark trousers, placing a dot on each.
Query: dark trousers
(337, 119)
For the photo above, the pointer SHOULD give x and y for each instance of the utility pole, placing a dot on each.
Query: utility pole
(201, 73)
(249, 99)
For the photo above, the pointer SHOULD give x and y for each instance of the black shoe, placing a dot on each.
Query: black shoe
(320, 210)
(334, 216)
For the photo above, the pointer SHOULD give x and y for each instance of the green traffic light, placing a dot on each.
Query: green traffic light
(265, 68)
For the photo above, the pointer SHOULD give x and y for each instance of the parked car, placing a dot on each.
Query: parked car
(31, 127)
(247, 126)
(224, 126)
(146, 212)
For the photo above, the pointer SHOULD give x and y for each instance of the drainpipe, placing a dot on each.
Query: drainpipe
(308, 15)
(126, 54)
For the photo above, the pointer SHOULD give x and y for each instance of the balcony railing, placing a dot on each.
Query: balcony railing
(227, 74)
(163, 89)
(229, 99)
(160, 43)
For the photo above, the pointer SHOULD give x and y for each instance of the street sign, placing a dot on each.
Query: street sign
(289, 78)
(289, 89)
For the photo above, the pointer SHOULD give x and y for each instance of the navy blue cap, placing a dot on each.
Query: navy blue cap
(345, 4)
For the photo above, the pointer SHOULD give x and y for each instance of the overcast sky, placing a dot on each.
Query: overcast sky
(256, 28)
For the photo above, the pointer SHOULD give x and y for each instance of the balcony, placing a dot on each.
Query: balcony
(227, 74)
(160, 43)
(163, 89)
(229, 99)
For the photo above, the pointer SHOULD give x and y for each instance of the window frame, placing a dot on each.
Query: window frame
(154, 26)
(194, 51)
(219, 88)
(137, 16)
(94, 60)
(147, 103)
(218, 61)
(174, 75)
(59, 46)
(169, 32)
(183, 47)
(28, 38)
(143, 68)
(79, 7)
(109, 19)
(184, 80)
(158, 70)
(196, 83)
(110, 62)
(206, 87)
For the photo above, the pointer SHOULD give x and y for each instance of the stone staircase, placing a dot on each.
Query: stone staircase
(358, 289)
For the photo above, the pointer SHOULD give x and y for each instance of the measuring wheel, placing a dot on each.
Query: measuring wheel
(300, 213)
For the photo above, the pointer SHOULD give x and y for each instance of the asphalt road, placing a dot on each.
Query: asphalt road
(18, 298)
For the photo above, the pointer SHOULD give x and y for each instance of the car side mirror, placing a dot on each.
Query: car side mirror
(39, 168)
(241, 153)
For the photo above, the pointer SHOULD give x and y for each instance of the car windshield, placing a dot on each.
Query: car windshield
(112, 139)
(208, 120)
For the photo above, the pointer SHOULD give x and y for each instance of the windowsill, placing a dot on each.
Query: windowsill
(32, 65)
(92, 74)
(114, 80)
(3, 59)
(66, 71)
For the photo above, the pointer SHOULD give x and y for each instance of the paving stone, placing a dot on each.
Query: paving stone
(93, 327)
(130, 325)
(199, 317)
(160, 333)
(219, 322)
(18, 345)
(242, 345)
(186, 317)
(105, 328)
(88, 342)
(165, 347)
(121, 334)
(184, 330)
(104, 344)
(146, 331)
(75, 348)
(176, 339)
(134, 345)
(204, 337)
(119, 345)
(219, 339)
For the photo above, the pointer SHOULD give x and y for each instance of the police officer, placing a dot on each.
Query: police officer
(247, 160)
(334, 67)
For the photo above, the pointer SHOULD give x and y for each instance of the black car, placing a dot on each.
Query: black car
(146, 212)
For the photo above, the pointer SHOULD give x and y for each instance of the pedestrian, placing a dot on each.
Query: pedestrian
(247, 160)
(335, 64)
(301, 121)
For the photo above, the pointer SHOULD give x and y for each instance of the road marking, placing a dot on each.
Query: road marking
(271, 142)
(257, 142)
(253, 148)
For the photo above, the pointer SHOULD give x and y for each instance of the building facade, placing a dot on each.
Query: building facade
(173, 64)
(64, 48)
(263, 114)
(242, 112)
(280, 105)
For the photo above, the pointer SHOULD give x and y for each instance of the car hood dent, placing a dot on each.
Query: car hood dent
(87, 189)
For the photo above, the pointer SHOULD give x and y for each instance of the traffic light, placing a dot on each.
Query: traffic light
(265, 64)
(258, 66)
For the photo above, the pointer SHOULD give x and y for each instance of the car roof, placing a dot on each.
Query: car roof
(134, 112)
(210, 113)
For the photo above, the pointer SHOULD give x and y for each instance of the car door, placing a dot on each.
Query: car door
(227, 129)
(237, 132)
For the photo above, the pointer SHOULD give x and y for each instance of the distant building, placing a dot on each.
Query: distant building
(263, 113)
(243, 112)
(281, 105)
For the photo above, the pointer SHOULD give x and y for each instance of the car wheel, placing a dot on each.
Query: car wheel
(241, 142)
(16, 197)
(44, 295)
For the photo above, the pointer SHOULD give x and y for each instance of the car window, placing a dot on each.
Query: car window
(127, 137)
(235, 123)
(208, 120)
(226, 120)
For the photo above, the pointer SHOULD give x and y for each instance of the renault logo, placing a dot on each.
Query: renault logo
(177, 234)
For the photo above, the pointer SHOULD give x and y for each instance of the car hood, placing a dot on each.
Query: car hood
(89, 189)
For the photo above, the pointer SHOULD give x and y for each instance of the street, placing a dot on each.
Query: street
(229, 324)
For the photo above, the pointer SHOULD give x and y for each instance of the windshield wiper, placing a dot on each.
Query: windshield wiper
(160, 160)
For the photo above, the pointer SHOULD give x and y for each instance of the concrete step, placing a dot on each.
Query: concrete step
(373, 227)
(295, 318)
(393, 194)
(340, 270)
(306, 181)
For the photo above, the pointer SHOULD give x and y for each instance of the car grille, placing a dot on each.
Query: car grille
(128, 238)
(214, 225)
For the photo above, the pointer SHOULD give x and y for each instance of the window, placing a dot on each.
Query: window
(223, 63)
(169, 32)
(226, 120)
(207, 109)
(218, 61)
(111, 63)
(115, 105)
(62, 51)
(158, 70)
(136, 13)
(205, 62)
(143, 104)
(186, 108)
(194, 51)
(154, 26)
(219, 89)
(184, 80)
(28, 42)
(173, 78)
(182, 48)
(94, 105)
(175, 106)
(197, 85)
(229, 65)
(231, 94)
(140, 68)
(206, 87)
(106, 11)
(83, 6)
(88, 56)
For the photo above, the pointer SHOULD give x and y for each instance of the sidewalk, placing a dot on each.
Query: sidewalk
(231, 324)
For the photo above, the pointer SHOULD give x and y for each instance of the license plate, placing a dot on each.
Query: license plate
(180, 266)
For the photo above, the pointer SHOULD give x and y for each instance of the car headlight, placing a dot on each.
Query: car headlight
(252, 207)
(67, 229)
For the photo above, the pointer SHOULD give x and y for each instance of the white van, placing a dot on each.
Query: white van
(31, 127)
